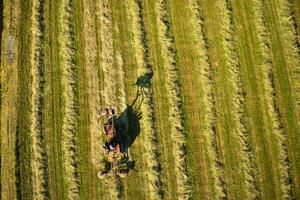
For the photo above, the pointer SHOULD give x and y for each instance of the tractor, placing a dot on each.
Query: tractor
(117, 159)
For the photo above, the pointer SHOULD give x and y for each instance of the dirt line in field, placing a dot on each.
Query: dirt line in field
(173, 92)
(149, 132)
(70, 113)
(39, 160)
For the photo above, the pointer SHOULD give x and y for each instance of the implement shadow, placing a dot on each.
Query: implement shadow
(128, 123)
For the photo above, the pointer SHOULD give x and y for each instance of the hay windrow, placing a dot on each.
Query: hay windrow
(111, 66)
(175, 101)
(9, 104)
(107, 54)
(39, 160)
(93, 83)
(238, 99)
(291, 48)
(69, 79)
(209, 101)
(270, 97)
(152, 174)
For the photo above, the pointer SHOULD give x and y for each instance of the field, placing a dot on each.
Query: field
(209, 91)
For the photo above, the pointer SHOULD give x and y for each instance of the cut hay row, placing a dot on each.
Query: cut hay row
(149, 134)
(173, 92)
(269, 95)
(53, 103)
(9, 104)
(291, 49)
(238, 100)
(110, 79)
(70, 112)
(209, 101)
(121, 94)
(93, 82)
(107, 54)
(39, 160)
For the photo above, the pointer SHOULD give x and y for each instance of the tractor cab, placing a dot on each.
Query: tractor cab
(116, 156)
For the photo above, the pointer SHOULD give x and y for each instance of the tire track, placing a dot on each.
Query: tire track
(39, 160)
(174, 93)
(70, 113)
(147, 122)
(270, 96)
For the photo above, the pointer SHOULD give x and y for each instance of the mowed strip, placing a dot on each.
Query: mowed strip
(92, 71)
(199, 103)
(53, 103)
(230, 104)
(23, 140)
(161, 104)
(86, 170)
(109, 89)
(295, 5)
(145, 109)
(286, 60)
(9, 96)
(126, 55)
(91, 52)
(69, 82)
(173, 92)
(39, 160)
(256, 62)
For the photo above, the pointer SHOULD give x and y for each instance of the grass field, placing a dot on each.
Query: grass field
(209, 91)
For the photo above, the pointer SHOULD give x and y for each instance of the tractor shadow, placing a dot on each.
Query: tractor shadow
(128, 126)
(129, 120)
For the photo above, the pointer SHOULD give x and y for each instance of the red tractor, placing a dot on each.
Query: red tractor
(116, 160)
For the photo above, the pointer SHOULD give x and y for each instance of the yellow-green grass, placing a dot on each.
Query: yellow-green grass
(285, 58)
(199, 105)
(225, 74)
(112, 188)
(255, 60)
(23, 151)
(126, 50)
(296, 11)
(124, 45)
(9, 93)
(231, 126)
(147, 121)
(160, 100)
(53, 103)
(86, 170)
(173, 92)
(39, 161)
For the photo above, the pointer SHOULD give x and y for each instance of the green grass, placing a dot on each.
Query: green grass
(123, 44)
(53, 104)
(221, 107)
(283, 80)
(23, 151)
